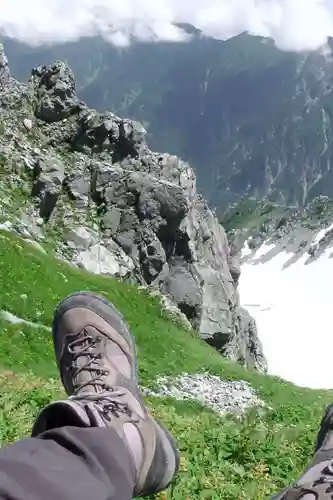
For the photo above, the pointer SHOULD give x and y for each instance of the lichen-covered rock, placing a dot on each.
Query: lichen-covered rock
(90, 170)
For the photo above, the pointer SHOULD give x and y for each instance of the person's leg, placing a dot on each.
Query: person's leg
(316, 482)
(68, 463)
(101, 442)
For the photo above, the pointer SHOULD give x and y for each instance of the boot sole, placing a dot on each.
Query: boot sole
(174, 445)
(158, 485)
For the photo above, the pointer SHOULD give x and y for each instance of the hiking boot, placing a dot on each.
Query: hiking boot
(317, 480)
(95, 353)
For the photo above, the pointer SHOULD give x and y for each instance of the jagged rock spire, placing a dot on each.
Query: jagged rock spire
(4, 68)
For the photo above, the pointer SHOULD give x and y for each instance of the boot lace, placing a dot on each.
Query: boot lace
(106, 403)
(86, 346)
(105, 399)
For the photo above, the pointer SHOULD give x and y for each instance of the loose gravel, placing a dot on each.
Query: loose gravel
(209, 390)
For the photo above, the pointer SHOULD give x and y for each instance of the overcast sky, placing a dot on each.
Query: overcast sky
(293, 24)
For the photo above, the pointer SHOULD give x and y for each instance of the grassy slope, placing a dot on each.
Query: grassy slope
(222, 458)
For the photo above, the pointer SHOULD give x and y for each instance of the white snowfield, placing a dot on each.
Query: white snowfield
(292, 302)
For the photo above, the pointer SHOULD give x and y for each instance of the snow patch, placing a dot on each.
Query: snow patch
(292, 305)
(322, 233)
(6, 226)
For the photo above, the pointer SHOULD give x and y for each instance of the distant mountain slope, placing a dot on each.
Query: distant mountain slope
(286, 283)
(251, 119)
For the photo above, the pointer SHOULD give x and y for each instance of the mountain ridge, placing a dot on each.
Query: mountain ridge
(252, 120)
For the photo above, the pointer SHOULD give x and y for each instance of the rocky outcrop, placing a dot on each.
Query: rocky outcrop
(127, 212)
(4, 69)
(55, 91)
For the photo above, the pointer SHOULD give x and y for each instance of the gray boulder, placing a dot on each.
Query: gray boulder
(152, 258)
(77, 187)
(48, 178)
(81, 237)
(107, 133)
(183, 286)
(54, 87)
(246, 347)
(106, 260)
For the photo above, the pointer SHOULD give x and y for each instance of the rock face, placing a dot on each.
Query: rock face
(131, 213)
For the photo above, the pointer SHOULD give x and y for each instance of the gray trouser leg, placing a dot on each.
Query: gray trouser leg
(69, 463)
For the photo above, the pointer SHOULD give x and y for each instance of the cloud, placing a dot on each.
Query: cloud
(293, 24)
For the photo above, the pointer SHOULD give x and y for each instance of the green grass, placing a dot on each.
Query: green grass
(251, 214)
(222, 457)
